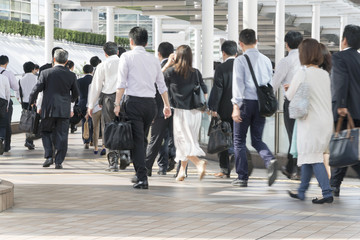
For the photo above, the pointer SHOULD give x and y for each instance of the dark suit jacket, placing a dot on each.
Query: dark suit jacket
(59, 88)
(221, 92)
(83, 84)
(181, 90)
(345, 82)
(158, 98)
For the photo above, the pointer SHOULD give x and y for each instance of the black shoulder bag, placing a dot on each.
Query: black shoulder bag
(266, 98)
(199, 101)
(118, 134)
(220, 136)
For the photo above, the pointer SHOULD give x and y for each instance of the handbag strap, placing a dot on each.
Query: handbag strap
(350, 125)
(252, 71)
(2, 71)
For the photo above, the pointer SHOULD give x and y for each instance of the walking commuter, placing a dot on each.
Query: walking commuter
(83, 84)
(284, 73)
(26, 84)
(59, 89)
(161, 128)
(95, 61)
(4, 104)
(220, 101)
(103, 88)
(346, 90)
(315, 129)
(4, 61)
(138, 73)
(246, 110)
(181, 79)
(76, 116)
(49, 65)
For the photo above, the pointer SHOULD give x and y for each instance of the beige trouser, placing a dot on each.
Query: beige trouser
(96, 128)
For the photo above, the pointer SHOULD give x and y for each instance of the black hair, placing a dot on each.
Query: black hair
(352, 35)
(4, 59)
(37, 66)
(53, 51)
(293, 39)
(70, 64)
(165, 49)
(28, 67)
(229, 47)
(110, 48)
(247, 36)
(139, 35)
(88, 69)
(121, 50)
(94, 61)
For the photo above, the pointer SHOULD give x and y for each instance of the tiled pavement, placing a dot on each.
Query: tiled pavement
(82, 201)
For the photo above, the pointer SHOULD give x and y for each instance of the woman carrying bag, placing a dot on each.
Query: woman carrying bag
(315, 128)
(181, 80)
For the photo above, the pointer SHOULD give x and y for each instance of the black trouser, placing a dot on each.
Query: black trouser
(141, 112)
(168, 149)
(8, 128)
(224, 155)
(55, 132)
(159, 132)
(338, 174)
(289, 125)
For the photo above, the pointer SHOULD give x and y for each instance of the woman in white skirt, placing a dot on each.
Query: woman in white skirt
(181, 79)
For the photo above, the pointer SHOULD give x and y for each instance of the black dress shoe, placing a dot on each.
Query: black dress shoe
(285, 172)
(148, 172)
(141, 185)
(336, 191)
(294, 195)
(239, 183)
(2, 147)
(123, 161)
(58, 166)
(323, 200)
(161, 172)
(48, 162)
(29, 146)
(171, 165)
(272, 172)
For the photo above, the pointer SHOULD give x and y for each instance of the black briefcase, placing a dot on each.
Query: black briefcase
(118, 134)
(220, 136)
(27, 120)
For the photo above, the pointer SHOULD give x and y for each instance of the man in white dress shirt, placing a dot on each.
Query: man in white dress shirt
(105, 82)
(284, 73)
(4, 61)
(138, 73)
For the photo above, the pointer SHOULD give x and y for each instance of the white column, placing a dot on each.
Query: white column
(207, 38)
(343, 23)
(197, 50)
(110, 36)
(233, 20)
(250, 13)
(157, 33)
(95, 20)
(49, 29)
(279, 30)
(315, 26)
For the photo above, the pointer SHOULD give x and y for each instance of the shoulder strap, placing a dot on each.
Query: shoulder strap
(251, 70)
(2, 71)
(21, 92)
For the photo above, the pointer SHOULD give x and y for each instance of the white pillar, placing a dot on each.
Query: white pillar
(157, 33)
(279, 30)
(207, 38)
(110, 36)
(250, 13)
(49, 29)
(315, 26)
(233, 20)
(197, 50)
(95, 20)
(343, 23)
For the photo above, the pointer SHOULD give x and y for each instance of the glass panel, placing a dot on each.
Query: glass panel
(15, 16)
(128, 17)
(5, 4)
(26, 18)
(26, 7)
(16, 6)
(142, 17)
(4, 15)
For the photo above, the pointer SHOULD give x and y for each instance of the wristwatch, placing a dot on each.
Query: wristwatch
(116, 104)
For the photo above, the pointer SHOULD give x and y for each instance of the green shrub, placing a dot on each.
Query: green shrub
(32, 30)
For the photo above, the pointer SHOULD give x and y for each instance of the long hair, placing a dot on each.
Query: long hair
(183, 62)
(327, 64)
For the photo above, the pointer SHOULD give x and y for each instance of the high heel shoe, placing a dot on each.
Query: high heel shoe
(202, 169)
(180, 177)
